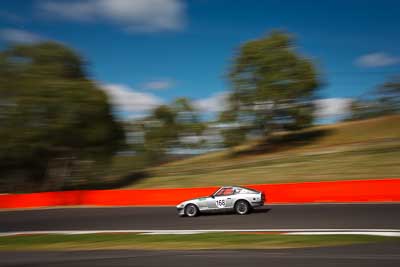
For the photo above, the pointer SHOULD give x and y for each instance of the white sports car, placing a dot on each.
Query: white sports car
(239, 199)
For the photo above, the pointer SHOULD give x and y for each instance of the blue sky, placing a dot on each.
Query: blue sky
(146, 52)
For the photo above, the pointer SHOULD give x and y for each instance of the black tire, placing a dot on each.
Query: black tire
(191, 210)
(242, 207)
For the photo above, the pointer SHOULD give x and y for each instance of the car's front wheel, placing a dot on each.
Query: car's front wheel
(242, 207)
(191, 210)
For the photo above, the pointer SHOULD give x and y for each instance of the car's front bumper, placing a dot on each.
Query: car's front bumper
(180, 210)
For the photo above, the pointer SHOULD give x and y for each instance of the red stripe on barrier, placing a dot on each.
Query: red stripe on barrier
(383, 190)
(47, 199)
(144, 197)
(386, 190)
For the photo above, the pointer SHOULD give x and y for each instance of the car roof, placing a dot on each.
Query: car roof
(241, 187)
(235, 186)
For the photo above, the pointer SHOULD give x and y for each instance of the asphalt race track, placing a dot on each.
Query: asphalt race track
(328, 216)
(332, 216)
(387, 254)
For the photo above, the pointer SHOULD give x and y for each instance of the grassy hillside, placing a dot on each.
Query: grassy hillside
(352, 150)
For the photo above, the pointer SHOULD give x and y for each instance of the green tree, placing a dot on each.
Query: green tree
(51, 116)
(388, 96)
(189, 122)
(384, 100)
(168, 127)
(363, 109)
(161, 133)
(232, 133)
(273, 86)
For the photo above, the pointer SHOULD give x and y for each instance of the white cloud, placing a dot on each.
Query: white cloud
(158, 84)
(19, 36)
(125, 99)
(378, 59)
(215, 103)
(133, 15)
(332, 107)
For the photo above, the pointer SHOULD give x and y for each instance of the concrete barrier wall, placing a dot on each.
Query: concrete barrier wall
(382, 190)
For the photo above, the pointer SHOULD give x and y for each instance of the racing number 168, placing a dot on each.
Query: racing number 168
(221, 202)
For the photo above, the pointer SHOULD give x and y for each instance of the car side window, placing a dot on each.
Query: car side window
(220, 192)
(237, 191)
(225, 192)
(228, 191)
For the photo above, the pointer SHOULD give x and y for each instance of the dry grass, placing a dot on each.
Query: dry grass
(352, 150)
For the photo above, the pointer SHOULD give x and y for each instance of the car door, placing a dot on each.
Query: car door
(228, 194)
(214, 200)
(221, 200)
(211, 203)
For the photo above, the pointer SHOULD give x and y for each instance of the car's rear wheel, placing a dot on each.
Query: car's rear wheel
(191, 210)
(242, 207)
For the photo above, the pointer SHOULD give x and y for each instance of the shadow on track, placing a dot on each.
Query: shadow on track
(254, 211)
